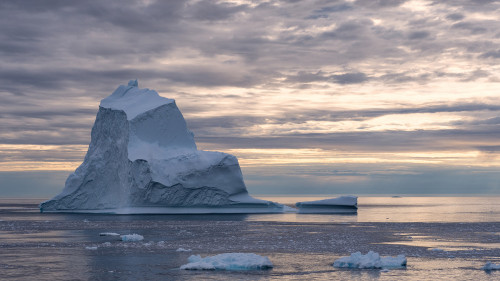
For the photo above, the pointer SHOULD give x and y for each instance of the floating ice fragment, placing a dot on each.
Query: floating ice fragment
(228, 261)
(491, 266)
(91, 248)
(183, 250)
(437, 250)
(132, 237)
(106, 244)
(108, 234)
(370, 260)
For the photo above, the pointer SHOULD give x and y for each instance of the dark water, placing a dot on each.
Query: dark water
(443, 238)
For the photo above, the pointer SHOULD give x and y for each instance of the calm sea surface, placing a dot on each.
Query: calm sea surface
(444, 238)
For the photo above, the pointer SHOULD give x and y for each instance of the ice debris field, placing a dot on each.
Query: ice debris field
(142, 159)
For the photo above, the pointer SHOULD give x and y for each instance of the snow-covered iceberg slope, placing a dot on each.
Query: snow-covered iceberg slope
(143, 159)
(342, 204)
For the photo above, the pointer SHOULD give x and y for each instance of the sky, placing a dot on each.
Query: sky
(313, 97)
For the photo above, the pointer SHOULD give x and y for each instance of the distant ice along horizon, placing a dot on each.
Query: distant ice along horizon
(142, 158)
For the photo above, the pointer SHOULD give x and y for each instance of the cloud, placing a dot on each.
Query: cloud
(416, 35)
(344, 78)
(471, 27)
(495, 54)
(379, 3)
(350, 78)
(211, 11)
(455, 16)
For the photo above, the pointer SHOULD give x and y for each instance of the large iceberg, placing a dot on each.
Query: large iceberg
(143, 159)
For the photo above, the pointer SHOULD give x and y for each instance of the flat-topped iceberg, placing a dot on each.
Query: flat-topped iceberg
(342, 204)
(143, 159)
(228, 261)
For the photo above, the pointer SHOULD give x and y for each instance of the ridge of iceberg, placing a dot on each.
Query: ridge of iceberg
(142, 158)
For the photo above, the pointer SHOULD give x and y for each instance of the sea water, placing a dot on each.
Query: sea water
(447, 238)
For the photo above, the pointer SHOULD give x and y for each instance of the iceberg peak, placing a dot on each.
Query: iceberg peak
(133, 83)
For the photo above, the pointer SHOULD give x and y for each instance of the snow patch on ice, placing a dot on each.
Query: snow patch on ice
(132, 237)
(491, 266)
(370, 260)
(228, 261)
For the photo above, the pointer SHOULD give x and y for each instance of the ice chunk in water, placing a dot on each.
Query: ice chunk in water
(491, 266)
(228, 261)
(132, 237)
(370, 260)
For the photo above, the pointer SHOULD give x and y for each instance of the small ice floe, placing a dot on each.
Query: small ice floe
(106, 244)
(437, 250)
(91, 248)
(132, 237)
(86, 220)
(370, 260)
(108, 234)
(342, 204)
(183, 250)
(228, 261)
(491, 266)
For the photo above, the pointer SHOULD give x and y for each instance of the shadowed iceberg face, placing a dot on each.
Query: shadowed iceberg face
(143, 159)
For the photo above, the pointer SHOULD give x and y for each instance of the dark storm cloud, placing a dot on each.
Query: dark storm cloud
(455, 16)
(350, 78)
(416, 35)
(344, 78)
(386, 141)
(471, 27)
(212, 11)
(379, 3)
(491, 54)
(350, 30)
(303, 116)
(325, 12)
